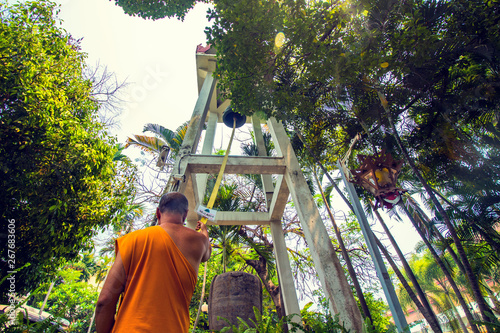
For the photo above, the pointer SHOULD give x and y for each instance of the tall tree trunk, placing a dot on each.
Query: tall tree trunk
(345, 255)
(434, 231)
(427, 311)
(445, 270)
(486, 313)
(260, 266)
(459, 319)
(400, 276)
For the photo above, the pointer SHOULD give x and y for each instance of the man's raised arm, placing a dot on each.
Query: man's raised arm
(106, 304)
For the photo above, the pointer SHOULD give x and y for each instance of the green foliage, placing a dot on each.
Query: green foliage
(166, 143)
(378, 310)
(60, 183)
(439, 75)
(157, 9)
(73, 300)
(434, 283)
(70, 299)
(312, 322)
(233, 21)
(21, 325)
(262, 324)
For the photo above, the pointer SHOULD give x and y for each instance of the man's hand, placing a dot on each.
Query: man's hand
(202, 227)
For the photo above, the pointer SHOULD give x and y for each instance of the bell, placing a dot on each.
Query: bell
(229, 116)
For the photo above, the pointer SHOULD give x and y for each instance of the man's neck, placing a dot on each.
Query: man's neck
(171, 219)
(171, 222)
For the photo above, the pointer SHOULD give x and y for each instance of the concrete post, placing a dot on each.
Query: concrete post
(287, 287)
(385, 280)
(326, 262)
(208, 145)
(181, 179)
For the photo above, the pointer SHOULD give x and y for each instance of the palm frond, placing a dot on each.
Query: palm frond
(119, 156)
(180, 133)
(160, 131)
(148, 144)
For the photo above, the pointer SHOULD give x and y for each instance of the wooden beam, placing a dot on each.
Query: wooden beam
(191, 193)
(279, 200)
(235, 164)
(193, 132)
(240, 218)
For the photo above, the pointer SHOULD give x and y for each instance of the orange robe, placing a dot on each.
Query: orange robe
(160, 284)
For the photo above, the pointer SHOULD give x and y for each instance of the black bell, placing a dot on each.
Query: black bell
(229, 115)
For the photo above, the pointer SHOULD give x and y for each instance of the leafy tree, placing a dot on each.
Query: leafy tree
(408, 75)
(156, 9)
(71, 298)
(60, 184)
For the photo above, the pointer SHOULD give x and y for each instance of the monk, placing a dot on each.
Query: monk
(156, 270)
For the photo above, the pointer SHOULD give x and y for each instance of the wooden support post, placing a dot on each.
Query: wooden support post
(287, 287)
(288, 290)
(180, 177)
(267, 180)
(208, 145)
(326, 262)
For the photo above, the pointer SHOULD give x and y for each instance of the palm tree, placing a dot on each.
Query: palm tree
(437, 288)
(119, 156)
(421, 302)
(345, 255)
(163, 142)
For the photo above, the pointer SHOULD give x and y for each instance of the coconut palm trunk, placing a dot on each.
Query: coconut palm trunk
(400, 276)
(426, 310)
(445, 270)
(485, 311)
(455, 310)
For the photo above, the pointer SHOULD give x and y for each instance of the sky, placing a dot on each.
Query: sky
(157, 60)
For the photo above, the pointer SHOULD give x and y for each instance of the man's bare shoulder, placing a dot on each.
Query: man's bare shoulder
(194, 234)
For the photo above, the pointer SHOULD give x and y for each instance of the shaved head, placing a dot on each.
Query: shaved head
(173, 202)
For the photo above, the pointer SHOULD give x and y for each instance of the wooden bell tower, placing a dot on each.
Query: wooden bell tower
(191, 170)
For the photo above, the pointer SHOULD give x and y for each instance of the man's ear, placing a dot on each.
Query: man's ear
(184, 216)
(158, 214)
